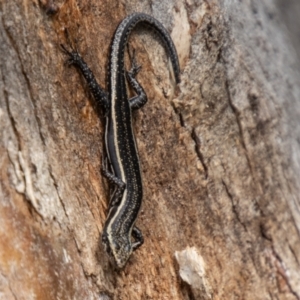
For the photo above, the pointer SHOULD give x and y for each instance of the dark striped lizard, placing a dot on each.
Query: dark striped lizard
(120, 236)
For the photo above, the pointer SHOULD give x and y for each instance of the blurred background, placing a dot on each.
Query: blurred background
(290, 14)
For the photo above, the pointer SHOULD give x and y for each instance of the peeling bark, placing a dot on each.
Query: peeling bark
(219, 153)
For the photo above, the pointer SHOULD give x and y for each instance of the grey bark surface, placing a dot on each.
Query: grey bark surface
(219, 153)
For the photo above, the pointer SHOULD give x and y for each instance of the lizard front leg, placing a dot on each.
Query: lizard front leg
(97, 91)
(138, 237)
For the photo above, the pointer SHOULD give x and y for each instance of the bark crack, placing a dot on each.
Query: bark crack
(241, 132)
(9, 285)
(12, 291)
(234, 208)
(56, 188)
(196, 140)
(294, 254)
(9, 113)
(281, 270)
(198, 151)
(264, 232)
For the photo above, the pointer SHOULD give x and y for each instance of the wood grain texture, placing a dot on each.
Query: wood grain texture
(219, 153)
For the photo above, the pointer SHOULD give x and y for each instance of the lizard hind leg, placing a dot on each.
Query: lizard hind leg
(140, 100)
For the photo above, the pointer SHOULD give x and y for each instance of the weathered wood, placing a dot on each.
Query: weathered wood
(220, 154)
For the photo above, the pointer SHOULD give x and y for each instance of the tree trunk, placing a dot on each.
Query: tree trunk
(219, 154)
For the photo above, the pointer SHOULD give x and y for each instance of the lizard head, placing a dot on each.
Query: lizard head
(118, 248)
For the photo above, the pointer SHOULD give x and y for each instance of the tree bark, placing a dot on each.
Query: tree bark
(219, 153)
